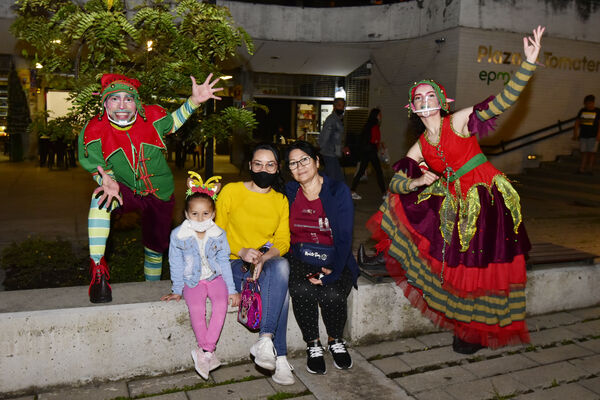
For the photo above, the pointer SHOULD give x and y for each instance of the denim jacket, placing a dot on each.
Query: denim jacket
(184, 252)
(330, 139)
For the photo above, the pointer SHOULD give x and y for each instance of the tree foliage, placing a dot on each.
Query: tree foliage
(82, 40)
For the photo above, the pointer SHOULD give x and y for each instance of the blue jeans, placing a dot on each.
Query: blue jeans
(273, 281)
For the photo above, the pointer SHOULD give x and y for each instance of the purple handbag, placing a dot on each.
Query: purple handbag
(250, 311)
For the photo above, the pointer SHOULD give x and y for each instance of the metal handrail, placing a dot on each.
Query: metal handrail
(490, 149)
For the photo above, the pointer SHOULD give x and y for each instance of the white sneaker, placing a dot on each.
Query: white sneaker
(200, 363)
(283, 372)
(264, 353)
(356, 196)
(213, 361)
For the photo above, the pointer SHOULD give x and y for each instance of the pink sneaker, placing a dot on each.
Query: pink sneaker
(200, 363)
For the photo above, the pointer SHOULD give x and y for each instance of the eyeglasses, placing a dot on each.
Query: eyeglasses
(304, 161)
(270, 166)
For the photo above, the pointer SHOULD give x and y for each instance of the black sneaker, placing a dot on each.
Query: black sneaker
(341, 357)
(462, 347)
(315, 363)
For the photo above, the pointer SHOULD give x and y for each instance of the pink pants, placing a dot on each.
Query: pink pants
(195, 298)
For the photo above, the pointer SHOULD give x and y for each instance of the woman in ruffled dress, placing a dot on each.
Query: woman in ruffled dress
(452, 226)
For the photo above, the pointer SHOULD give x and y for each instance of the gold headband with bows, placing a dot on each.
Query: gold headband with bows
(196, 185)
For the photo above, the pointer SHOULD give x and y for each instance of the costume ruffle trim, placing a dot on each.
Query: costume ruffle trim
(489, 336)
(469, 207)
(495, 279)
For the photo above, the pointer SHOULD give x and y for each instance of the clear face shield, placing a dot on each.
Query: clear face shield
(130, 119)
(430, 104)
(431, 97)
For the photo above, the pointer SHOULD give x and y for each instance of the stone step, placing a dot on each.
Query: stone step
(562, 173)
(552, 182)
(544, 192)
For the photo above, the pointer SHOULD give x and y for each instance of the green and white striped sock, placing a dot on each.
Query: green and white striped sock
(152, 264)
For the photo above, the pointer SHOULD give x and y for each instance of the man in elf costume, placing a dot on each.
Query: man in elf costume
(123, 149)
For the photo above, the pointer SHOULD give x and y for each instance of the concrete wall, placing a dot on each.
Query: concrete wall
(568, 19)
(56, 337)
(344, 24)
(396, 65)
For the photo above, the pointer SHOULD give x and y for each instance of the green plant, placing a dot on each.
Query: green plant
(239, 120)
(159, 42)
(37, 263)
(40, 263)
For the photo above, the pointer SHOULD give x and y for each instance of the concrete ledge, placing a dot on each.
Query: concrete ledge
(56, 337)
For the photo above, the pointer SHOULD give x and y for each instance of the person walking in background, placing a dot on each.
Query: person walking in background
(322, 267)
(200, 269)
(255, 215)
(330, 141)
(455, 240)
(587, 130)
(370, 140)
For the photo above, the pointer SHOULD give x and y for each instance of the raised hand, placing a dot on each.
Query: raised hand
(201, 93)
(109, 190)
(532, 46)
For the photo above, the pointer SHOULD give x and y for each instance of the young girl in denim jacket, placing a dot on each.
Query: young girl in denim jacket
(199, 261)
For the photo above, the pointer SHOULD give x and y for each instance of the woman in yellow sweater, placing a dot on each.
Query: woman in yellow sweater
(255, 215)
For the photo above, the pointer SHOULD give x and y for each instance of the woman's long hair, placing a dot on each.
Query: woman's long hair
(371, 122)
(278, 185)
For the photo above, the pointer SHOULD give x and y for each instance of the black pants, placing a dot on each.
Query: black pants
(369, 155)
(307, 298)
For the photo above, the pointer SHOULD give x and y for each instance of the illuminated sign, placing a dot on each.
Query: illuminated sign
(487, 53)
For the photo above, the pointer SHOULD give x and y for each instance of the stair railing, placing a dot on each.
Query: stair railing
(529, 138)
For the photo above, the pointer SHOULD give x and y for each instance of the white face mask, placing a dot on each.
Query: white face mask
(202, 226)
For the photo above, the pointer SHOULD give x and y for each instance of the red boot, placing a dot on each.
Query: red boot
(100, 290)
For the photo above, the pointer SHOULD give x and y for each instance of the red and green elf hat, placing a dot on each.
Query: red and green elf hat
(440, 92)
(115, 83)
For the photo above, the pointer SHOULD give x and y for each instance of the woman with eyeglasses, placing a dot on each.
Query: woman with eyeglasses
(255, 215)
(322, 267)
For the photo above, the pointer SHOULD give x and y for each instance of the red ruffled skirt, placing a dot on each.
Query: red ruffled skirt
(478, 294)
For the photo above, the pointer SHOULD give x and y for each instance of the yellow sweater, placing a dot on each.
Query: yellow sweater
(251, 219)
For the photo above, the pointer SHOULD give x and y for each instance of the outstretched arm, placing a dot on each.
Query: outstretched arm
(502, 101)
(200, 94)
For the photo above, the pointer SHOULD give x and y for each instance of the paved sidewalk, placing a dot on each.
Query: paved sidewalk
(562, 362)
